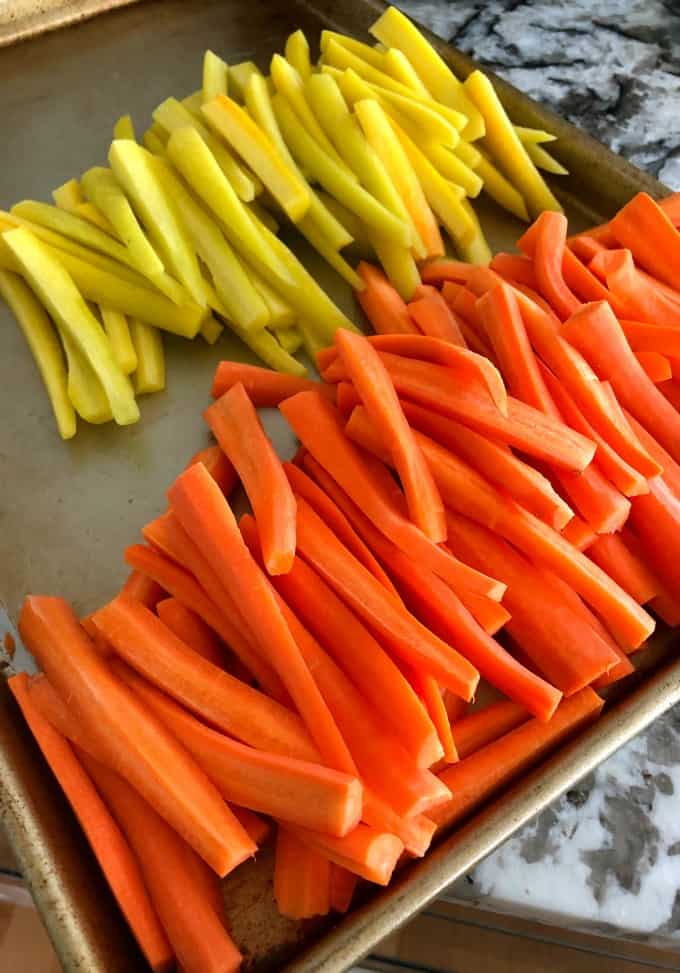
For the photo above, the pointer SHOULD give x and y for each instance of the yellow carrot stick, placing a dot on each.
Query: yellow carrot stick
(68, 195)
(118, 332)
(501, 189)
(504, 144)
(475, 250)
(533, 136)
(215, 76)
(44, 344)
(398, 66)
(290, 339)
(543, 160)
(376, 59)
(211, 329)
(62, 299)
(124, 128)
(297, 54)
(148, 343)
(93, 215)
(239, 76)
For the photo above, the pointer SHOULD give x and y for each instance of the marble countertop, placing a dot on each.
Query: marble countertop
(607, 855)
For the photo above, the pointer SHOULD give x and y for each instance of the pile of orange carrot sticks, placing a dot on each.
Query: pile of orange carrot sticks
(488, 488)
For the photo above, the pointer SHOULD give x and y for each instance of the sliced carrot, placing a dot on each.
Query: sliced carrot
(365, 852)
(667, 607)
(405, 636)
(438, 271)
(317, 498)
(496, 462)
(464, 491)
(237, 428)
(174, 875)
(439, 608)
(143, 588)
(184, 586)
(584, 247)
(515, 268)
(584, 284)
(579, 533)
(545, 241)
(642, 299)
(132, 741)
(219, 467)
(655, 518)
(346, 397)
(382, 304)
(296, 791)
(431, 695)
(625, 477)
(384, 763)
(580, 381)
(435, 318)
(671, 392)
(490, 615)
(191, 629)
(628, 570)
(655, 366)
(342, 887)
(645, 229)
(525, 427)
(117, 862)
(597, 500)
(465, 365)
(318, 425)
(371, 380)
(478, 729)
(256, 827)
(208, 519)
(595, 331)
(264, 386)
(671, 469)
(141, 639)
(461, 300)
(483, 773)
(559, 642)
(502, 321)
(652, 337)
(361, 657)
(302, 878)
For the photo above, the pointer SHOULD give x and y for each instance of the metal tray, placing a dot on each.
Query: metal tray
(67, 510)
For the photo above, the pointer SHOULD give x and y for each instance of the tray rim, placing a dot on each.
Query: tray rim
(353, 936)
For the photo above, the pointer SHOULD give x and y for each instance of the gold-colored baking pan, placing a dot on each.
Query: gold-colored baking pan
(68, 509)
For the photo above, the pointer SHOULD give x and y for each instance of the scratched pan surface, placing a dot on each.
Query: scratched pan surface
(68, 509)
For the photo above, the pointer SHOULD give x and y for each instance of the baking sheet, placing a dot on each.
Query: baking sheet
(68, 509)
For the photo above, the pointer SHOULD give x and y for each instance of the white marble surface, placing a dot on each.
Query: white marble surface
(607, 855)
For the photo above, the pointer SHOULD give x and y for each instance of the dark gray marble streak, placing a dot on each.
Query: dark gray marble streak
(612, 67)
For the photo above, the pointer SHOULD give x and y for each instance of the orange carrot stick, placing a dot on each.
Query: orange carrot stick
(319, 500)
(296, 791)
(365, 852)
(256, 827)
(372, 382)
(132, 742)
(381, 758)
(439, 608)
(431, 695)
(584, 284)
(173, 875)
(643, 227)
(478, 729)
(342, 887)
(381, 303)
(579, 534)
(141, 639)
(655, 366)
(502, 321)
(110, 848)
(208, 519)
(652, 337)
(625, 567)
(435, 318)
(467, 365)
(496, 462)
(318, 425)
(482, 774)
(438, 271)
(143, 588)
(219, 467)
(464, 491)
(361, 657)
(263, 386)
(545, 241)
(624, 476)
(641, 297)
(239, 432)
(183, 586)
(515, 268)
(655, 518)
(584, 247)
(595, 331)
(190, 629)
(302, 878)
(489, 614)
(405, 636)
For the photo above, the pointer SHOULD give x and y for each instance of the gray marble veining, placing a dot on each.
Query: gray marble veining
(607, 855)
